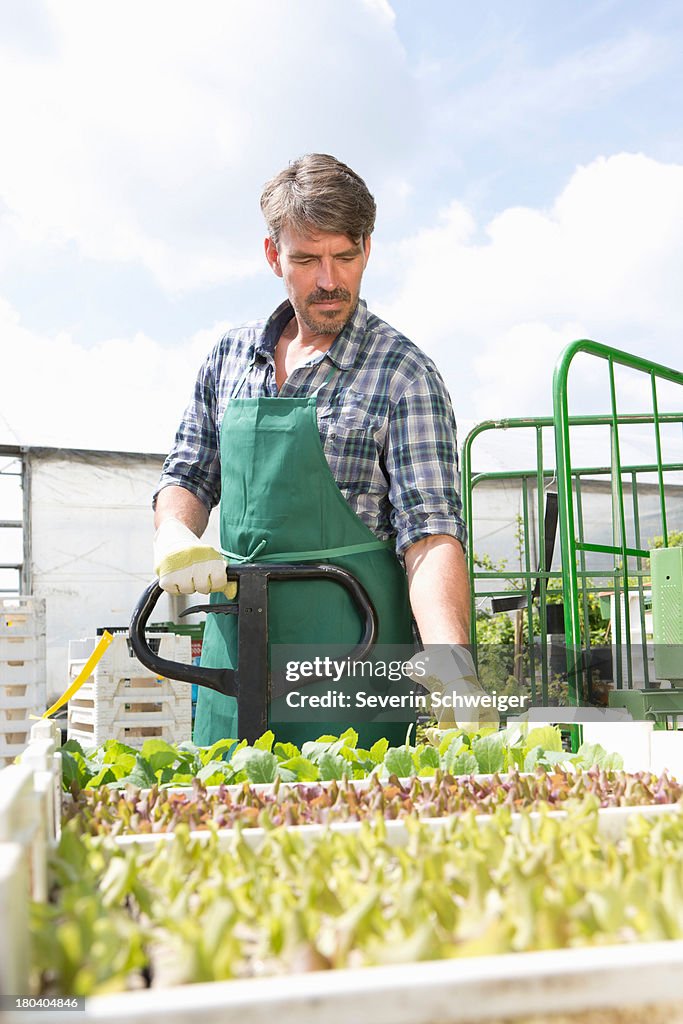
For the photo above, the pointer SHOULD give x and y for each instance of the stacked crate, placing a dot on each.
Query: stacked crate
(22, 671)
(123, 700)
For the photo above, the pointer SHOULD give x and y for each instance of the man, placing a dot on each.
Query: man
(325, 434)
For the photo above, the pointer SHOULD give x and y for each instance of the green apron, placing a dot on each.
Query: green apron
(280, 502)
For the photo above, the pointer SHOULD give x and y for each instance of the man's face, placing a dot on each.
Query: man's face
(322, 273)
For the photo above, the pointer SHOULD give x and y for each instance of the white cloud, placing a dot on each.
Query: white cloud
(382, 9)
(124, 394)
(141, 127)
(603, 262)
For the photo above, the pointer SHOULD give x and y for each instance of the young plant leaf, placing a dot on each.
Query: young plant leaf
(399, 761)
(261, 766)
(463, 763)
(72, 746)
(114, 751)
(546, 736)
(73, 769)
(350, 738)
(490, 753)
(141, 775)
(593, 753)
(304, 770)
(551, 758)
(158, 754)
(378, 750)
(286, 750)
(332, 766)
(265, 742)
(447, 738)
(215, 772)
(531, 758)
(429, 758)
(109, 773)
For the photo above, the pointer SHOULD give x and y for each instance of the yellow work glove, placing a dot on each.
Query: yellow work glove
(448, 672)
(186, 566)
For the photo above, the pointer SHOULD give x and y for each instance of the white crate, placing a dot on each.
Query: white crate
(23, 695)
(130, 710)
(123, 700)
(118, 659)
(135, 708)
(106, 691)
(21, 648)
(14, 737)
(12, 719)
(131, 735)
(22, 616)
(21, 670)
(11, 748)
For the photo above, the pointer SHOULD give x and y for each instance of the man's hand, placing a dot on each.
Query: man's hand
(449, 672)
(186, 566)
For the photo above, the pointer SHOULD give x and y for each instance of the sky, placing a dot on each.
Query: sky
(526, 158)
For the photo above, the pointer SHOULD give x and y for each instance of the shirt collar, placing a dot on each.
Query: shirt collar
(344, 349)
(272, 329)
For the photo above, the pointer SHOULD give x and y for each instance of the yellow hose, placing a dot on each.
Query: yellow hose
(86, 671)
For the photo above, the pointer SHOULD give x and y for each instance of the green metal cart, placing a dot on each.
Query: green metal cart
(584, 524)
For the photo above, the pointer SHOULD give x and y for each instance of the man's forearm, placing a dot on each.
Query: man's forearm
(175, 502)
(439, 590)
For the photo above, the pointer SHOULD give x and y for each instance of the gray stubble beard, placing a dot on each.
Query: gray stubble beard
(327, 326)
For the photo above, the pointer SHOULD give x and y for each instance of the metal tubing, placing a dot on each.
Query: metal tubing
(562, 421)
(658, 445)
(26, 584)
(573, 544)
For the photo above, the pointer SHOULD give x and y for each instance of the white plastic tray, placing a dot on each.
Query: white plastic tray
(477, 989)
(612, 823)
(481, 989)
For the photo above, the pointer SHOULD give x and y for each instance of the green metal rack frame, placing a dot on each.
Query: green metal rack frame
(578, 579)
(573, 545)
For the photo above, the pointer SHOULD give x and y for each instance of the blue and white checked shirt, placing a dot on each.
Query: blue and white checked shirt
(385, 420)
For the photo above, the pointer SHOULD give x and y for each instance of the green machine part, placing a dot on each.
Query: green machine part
(667, 613)
(662, 706)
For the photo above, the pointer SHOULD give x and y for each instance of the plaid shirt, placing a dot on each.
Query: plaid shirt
(385, 420)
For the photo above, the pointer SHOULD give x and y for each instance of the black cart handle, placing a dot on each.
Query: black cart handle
(221, 680)
(253, 579)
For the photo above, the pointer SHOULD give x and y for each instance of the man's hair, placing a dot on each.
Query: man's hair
(317, 191)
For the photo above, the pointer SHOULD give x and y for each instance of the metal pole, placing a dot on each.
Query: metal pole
(26, 580)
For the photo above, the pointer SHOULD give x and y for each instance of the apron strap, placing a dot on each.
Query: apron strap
(307, 556)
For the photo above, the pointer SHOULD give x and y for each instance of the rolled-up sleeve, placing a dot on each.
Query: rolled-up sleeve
(194, 460)
(422, 464)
